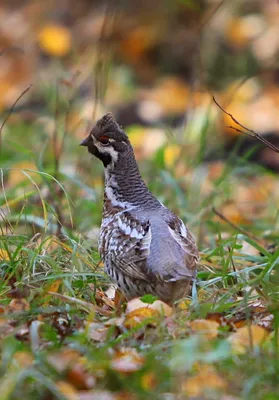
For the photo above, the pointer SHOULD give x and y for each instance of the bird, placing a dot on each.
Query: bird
(145, 247)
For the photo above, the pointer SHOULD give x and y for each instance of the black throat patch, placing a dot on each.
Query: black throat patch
(104, 157)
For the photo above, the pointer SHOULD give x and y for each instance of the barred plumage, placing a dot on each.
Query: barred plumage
(145, 247)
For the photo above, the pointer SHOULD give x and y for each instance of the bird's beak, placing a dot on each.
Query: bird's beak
(84, 142)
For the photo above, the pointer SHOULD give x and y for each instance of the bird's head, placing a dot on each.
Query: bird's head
(107, 141)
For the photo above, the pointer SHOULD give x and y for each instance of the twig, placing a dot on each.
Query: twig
(236, 227)
(209, 15)
(102, 62)
(58, 147)
(246, 131)
(11, 110)
(84, 304)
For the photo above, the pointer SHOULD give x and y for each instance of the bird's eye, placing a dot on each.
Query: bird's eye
(104, 139)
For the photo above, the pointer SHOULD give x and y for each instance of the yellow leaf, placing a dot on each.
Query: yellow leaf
(136, 317)
(67, 390)
(136, 134)
(148, 381)
(157, 305)
(205, 328)
(247, 337)
(171, 94)
(55, 40)
(127, 360)
(183, 305)
(137, 311)
(206, 379)
(23, 359)
(171, 154)
(240, 31)
(54, 286)
(16, 175)
(4, 255)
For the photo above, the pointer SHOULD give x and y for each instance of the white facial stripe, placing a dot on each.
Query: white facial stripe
(107, 149)
(93, 138)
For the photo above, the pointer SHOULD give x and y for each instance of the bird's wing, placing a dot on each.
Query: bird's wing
(128, 245)
(185, 240)
(183, 237)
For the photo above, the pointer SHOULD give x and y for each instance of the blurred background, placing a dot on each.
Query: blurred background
(156, 65)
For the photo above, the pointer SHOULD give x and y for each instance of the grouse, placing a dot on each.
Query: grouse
(145, 247)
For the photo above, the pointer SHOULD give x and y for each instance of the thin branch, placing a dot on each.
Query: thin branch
(211, 13)
(236, 227)
(11, 110)
(246, 131)
(84, 304)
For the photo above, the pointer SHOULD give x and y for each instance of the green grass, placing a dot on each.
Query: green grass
(50, 215)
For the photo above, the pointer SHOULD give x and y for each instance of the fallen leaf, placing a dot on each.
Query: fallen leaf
(170, 93)
(67, 390)
(137, 312)
(55, 40)
(139, 40)
(53, 288)
(240, 31)
(98, 395)
(171, 154)
(206, 379)
(138, 316)
(63, 360)
(23, 359)
(80, 378)
(206, 328)
(157, 305)
(148, 381)
(4, 255)
(18, 305)
(248, 337)
(127, 360)
(16, 175)
(97, 332)
(183, 304)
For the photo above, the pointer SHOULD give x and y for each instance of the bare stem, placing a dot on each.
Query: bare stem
(245, 130)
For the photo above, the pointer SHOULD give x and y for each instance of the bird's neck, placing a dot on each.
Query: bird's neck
(124, 186)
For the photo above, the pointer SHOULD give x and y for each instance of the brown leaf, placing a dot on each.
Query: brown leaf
(17, 305)
(97, 332)
(127, 360)
(64, 360)
(80, 378)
